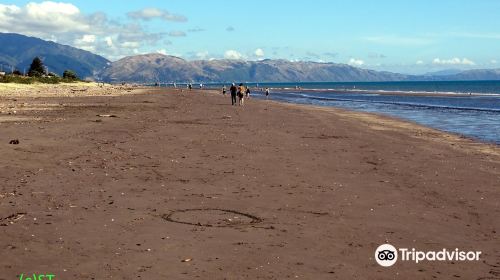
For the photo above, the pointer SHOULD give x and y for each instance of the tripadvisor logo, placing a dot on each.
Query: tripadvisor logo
(387, 255)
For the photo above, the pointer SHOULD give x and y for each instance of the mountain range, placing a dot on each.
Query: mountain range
(18, 51)
(162, 68)
(158, 67)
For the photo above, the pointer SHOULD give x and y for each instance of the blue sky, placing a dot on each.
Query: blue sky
(401, 36)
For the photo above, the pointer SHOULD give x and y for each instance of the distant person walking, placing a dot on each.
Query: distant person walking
(190, 86)
(241, 94)
(267, 93)
(247, 92)
(233, 91)
(224, 90)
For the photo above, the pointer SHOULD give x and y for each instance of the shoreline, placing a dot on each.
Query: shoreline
(396, 92)
(406, 117)
(390, 122)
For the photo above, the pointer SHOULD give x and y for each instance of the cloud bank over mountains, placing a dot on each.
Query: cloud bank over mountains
(65, 23)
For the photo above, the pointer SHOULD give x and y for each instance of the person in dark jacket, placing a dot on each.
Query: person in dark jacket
(233, 91)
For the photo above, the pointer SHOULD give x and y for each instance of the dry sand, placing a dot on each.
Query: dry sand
(64, 89)
(172, 185)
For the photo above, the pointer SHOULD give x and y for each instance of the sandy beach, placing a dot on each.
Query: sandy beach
(64, 90)
(164, 184)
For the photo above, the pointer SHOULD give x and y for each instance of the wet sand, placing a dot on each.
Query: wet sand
(171, 185)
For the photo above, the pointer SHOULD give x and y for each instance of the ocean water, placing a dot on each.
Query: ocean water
(453, 87)
(470, 109)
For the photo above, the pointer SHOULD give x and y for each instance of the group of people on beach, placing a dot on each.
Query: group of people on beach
(241, 92)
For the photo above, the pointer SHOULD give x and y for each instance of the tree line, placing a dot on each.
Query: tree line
(38, 72)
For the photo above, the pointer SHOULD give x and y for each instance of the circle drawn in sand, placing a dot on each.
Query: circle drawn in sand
(211, 217)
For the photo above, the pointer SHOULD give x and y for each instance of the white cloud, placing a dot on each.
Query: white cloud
(86, 42)
(109, 41)
(49, 16)
(202, 55)
(52, 38)
(259, 53)
(130, 45)
(46, 8)
(86, 39)
(9, 9)
(88, 48)
(162, 51)
(232, 54)
(453, 61)
(419, 62)
(155, 13)
(493, 61)
(356, 62)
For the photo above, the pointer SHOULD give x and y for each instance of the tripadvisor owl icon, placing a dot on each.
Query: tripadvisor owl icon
(386, 255)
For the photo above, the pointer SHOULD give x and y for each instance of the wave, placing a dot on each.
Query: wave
(398, 103)
(381, 91)
(424, 92)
